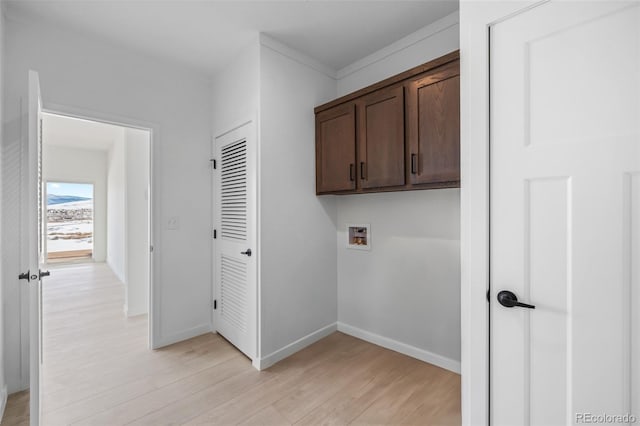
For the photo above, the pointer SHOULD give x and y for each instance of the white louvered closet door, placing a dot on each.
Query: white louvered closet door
(235, 286)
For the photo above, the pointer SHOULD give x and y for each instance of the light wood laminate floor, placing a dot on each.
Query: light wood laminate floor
(98, 371)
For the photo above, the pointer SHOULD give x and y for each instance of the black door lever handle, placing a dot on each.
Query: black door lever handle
(246, 253)
(508, 299)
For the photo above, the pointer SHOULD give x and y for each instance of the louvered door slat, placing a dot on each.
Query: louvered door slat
(233, 196)
(233, 292)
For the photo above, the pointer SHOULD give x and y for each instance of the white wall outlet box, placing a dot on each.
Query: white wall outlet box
(173, 224)
(359, 236)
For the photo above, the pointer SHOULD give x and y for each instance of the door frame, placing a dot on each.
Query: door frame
(155, 281)
(228, 128)
(45, 221)
(476, 20)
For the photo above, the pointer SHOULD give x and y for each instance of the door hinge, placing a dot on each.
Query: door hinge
(214, 164)
(488, 293)
(215, 304)
(151, 249)
(214, 234)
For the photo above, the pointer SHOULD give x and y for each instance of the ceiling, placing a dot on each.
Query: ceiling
(205, 34)
(76, 133)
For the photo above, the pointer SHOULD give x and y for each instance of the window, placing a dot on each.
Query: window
(69, 220)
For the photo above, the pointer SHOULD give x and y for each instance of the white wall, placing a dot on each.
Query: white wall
(80, 73)
(405, 292)
(407, 288)
(66, 164)
(3, 383)
(136, 144)
(297, 239)
(116, 209)
(127, 216)
(236, 90)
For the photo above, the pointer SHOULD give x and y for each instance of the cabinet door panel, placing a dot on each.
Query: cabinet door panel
(381, 139)
(336, 149)
(434, 128)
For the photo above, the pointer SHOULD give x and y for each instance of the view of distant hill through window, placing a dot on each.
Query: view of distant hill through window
(69, 220)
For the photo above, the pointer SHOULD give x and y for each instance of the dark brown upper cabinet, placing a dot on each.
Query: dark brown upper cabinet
(381, 152)
(433, 126)
(402, 133)
(336, 149)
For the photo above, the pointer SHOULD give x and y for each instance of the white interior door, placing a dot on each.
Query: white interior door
(35, 210)
(235, 287)
(565, 213)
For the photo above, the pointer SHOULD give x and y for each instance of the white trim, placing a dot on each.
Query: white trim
(90, 115)
(403, 348)
(155, 205)
(475, 19)
(258, 234)
(404, 43)
(3, 401)
(183, 335)
(296, 56)
(131, 314)
(291, 348)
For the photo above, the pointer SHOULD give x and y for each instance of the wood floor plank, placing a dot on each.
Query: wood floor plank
(157, 399)
(16, 412)
(312, 393)
(98, 370)
(348, 402)
(218, 394)
(127, 392)
(440, 404)
(314, 379)
(395, 402)
(268, 416)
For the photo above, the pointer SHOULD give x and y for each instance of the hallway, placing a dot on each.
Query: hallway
(95, 358)
(89, 345)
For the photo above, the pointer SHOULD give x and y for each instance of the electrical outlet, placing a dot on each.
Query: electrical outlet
(173, 224)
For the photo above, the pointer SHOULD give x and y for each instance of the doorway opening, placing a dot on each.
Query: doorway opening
(96, 235)
(68, 221)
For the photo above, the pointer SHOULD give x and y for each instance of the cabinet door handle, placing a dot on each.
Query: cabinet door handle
(414, 164)
(352, 172)
(362, 176)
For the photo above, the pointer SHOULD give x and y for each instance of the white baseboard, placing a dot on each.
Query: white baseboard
(403, 348)
(182, 335)
(3, 401)
(291, 348)
(130, 314)
(114, 270)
